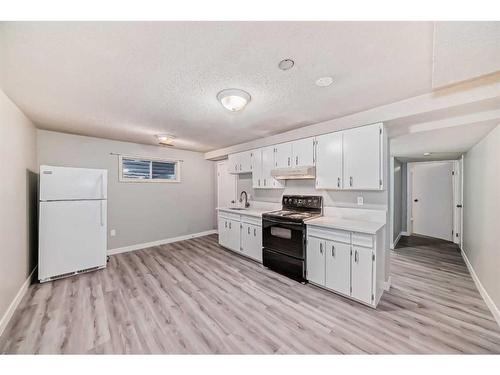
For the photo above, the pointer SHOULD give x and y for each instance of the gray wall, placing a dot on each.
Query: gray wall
(140, 212)
(18, 203)
(481, 211)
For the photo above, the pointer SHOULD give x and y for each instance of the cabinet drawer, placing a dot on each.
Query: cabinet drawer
(362, 239)
(329, 234)
(254, 220)
(229, 215)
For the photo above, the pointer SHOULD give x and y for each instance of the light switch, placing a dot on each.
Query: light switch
(360, 201)
(112, 232)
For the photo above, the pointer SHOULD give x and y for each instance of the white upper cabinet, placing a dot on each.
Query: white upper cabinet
(256, 162)
(362, 148)
(302, 152)
(240, 162)
(329, 161)
(283, 155)
(268, 164)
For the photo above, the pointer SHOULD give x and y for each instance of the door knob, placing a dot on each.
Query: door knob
(415, 200)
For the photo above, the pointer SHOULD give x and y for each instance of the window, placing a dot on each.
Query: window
(134, 169)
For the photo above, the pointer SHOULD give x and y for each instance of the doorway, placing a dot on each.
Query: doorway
(431, 199)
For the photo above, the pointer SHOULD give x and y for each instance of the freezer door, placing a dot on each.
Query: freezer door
(63, 183)
(72, 237)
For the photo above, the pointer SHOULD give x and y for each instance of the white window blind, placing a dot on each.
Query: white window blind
(134, 169)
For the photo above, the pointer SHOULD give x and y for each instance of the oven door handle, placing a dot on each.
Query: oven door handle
(282, 222)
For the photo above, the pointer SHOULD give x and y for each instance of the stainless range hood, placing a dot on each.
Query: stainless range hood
(296, 173)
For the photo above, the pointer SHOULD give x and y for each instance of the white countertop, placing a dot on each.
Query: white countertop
(256, 212)
(353, 225)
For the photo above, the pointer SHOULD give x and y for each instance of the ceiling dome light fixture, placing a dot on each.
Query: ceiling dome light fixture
(286, 64)
(233, 99)
(165, 139)
(324, 81)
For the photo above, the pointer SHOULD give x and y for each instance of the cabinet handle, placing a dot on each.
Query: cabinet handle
(321, 248)
(350, 181)
(333, 251)
(229, 225)
(254, 232)
(259, 182)
(225, 224)
(338, 182)
(264, 182)
(248, 230)
(289, 161)
(240, 167)
(296, 160)
(356, 256)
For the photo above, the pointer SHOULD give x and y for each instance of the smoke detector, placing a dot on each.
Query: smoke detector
(324, 81)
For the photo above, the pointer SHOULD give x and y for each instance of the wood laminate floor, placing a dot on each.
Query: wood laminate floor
(195, 297)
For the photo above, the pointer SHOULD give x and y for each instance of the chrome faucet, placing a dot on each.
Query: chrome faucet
(246, 198)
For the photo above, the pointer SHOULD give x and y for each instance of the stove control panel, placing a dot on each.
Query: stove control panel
(304, 202)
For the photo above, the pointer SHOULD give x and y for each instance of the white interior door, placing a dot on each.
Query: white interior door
(226, 185)
(72, 236)
(457, 202)
(432, 199)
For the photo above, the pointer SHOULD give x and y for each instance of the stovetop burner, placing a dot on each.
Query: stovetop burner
(298, 208)
(296, 215)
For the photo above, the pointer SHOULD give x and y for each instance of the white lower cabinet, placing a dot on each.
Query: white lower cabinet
(361, 274)
(336, 261)
(338, 266)
(315, 265)
(242, 234)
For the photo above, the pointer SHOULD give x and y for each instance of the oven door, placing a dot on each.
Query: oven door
(283, 236)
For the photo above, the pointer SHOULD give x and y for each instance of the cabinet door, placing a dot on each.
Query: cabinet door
(223, 232)
(234, 235)
(283, 155)
(338, 266)
(251, 236)
(329, 161)
(233, 163)
(362, 153)
(361, 274)
(246, 162)
(257, 168)
(303, 152)
(316, 260)
(268, 164)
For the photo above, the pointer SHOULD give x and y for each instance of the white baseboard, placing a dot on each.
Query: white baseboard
(486, 297)
(405, 233)
(393, 245)
(15, 302)
(145, 245)
(387, 284)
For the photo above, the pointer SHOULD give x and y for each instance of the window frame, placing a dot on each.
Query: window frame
(121, 178)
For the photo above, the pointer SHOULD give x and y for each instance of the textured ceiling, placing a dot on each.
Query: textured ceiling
(132, 80)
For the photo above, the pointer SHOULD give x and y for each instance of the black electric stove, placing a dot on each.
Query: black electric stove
(284, 235)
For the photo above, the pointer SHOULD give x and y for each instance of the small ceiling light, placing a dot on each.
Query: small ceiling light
(324, 81)
(286, 64)
(165, 139)
(427, 153)
(233, 99)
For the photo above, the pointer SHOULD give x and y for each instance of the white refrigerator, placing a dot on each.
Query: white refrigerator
(72, 221)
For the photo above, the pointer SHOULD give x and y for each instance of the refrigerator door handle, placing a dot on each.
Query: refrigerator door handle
(102, 215)
(102, 186)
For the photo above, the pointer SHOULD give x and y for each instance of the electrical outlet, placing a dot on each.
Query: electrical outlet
(112, 232)
(360, 201)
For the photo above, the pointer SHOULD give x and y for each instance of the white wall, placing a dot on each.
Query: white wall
(18, 200)
(481, 207)
(141, 212)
